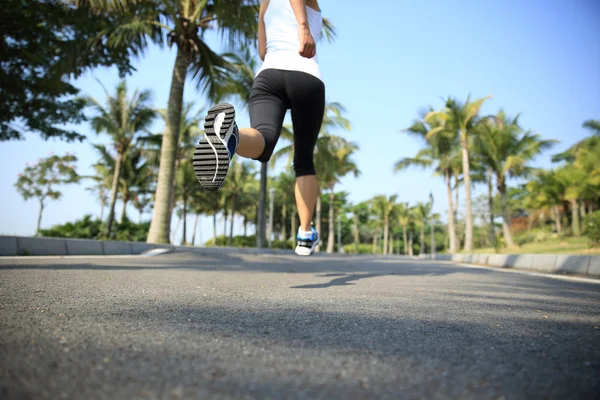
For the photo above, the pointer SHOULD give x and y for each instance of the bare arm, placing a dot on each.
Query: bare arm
(262, 33)
(307, 43)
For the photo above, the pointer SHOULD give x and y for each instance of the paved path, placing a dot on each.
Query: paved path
(187, 326)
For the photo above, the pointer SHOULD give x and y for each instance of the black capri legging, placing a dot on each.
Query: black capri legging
(274, 92)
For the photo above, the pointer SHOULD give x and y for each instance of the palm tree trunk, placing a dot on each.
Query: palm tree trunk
(113, 192)
(215, 228)
(245, 226)
(318, 216)
(161, 221)
(491, 204)
(39, 221)
(405, 239)
(582, 208)
(451, 220)
(410, 242)
(294, 228)
(284, 218)
(505, 219)
(194, 229)
(557, 219)
(576, 226)
(467, 179)
(261, 238)
(391, 244)
(356, 233)
(172, 202)
(125, 199)
(183, 238)
(331, 232)
(386, 230)
(374, 250)
(230, 240)
(422, 247)
(225, 216)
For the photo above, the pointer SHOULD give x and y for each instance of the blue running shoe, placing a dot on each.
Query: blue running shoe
(307, 244)
(214, 152)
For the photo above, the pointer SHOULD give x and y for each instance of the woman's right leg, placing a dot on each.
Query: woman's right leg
(307, 98)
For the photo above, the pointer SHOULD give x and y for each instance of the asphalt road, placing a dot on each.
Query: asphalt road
(190, 326)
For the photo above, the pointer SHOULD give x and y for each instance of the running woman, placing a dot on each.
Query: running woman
(289, 79)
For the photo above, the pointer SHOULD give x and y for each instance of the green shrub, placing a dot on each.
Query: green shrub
(591, 227)
(88, 228)
(363, 248)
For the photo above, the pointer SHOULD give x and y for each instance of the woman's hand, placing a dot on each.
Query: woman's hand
(307, 42)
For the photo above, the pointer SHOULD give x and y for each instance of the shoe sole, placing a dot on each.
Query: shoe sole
(211, 158)
(303, 251)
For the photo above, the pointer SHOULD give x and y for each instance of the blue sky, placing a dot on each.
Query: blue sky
(535, 57)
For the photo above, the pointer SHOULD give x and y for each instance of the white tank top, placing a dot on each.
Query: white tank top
(281, 28)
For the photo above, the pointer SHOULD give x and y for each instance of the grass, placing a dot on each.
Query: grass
(568, 245)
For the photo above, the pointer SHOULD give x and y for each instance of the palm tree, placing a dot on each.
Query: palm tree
(238, 182)
(461, 117)
(507, 150)
(384, 206)
(440, 153)
(189, 134)
(136, 177)
(333, 161)
(593, 125)
(404, 214)
(422, 214)
(122, 118)
(100, 189)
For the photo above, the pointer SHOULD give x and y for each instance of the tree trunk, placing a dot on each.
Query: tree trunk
(294, 228)
(331, 231)
(451, 220)
(194, 229)
(405, 239)
(582, 210)
(215, 228)
(261, 237)
(391, 244)
(284, 217)
(172, 201)
(318, 216)
(113, 192)
(467, 179)
(230, 241)
(491, 204)
(125, 199)
(576, 226)
(508, 240)
(356, 233)
(225, 216)
(386, 230)
(410, 242)
(557, 219)
(422, 247)
(245, 226)
(140, 218)
(374, 251)
(184, 236)
(39, 221)
(161, 222)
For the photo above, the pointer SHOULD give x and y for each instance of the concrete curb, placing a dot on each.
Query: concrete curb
(11, 246)
(548, 263)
